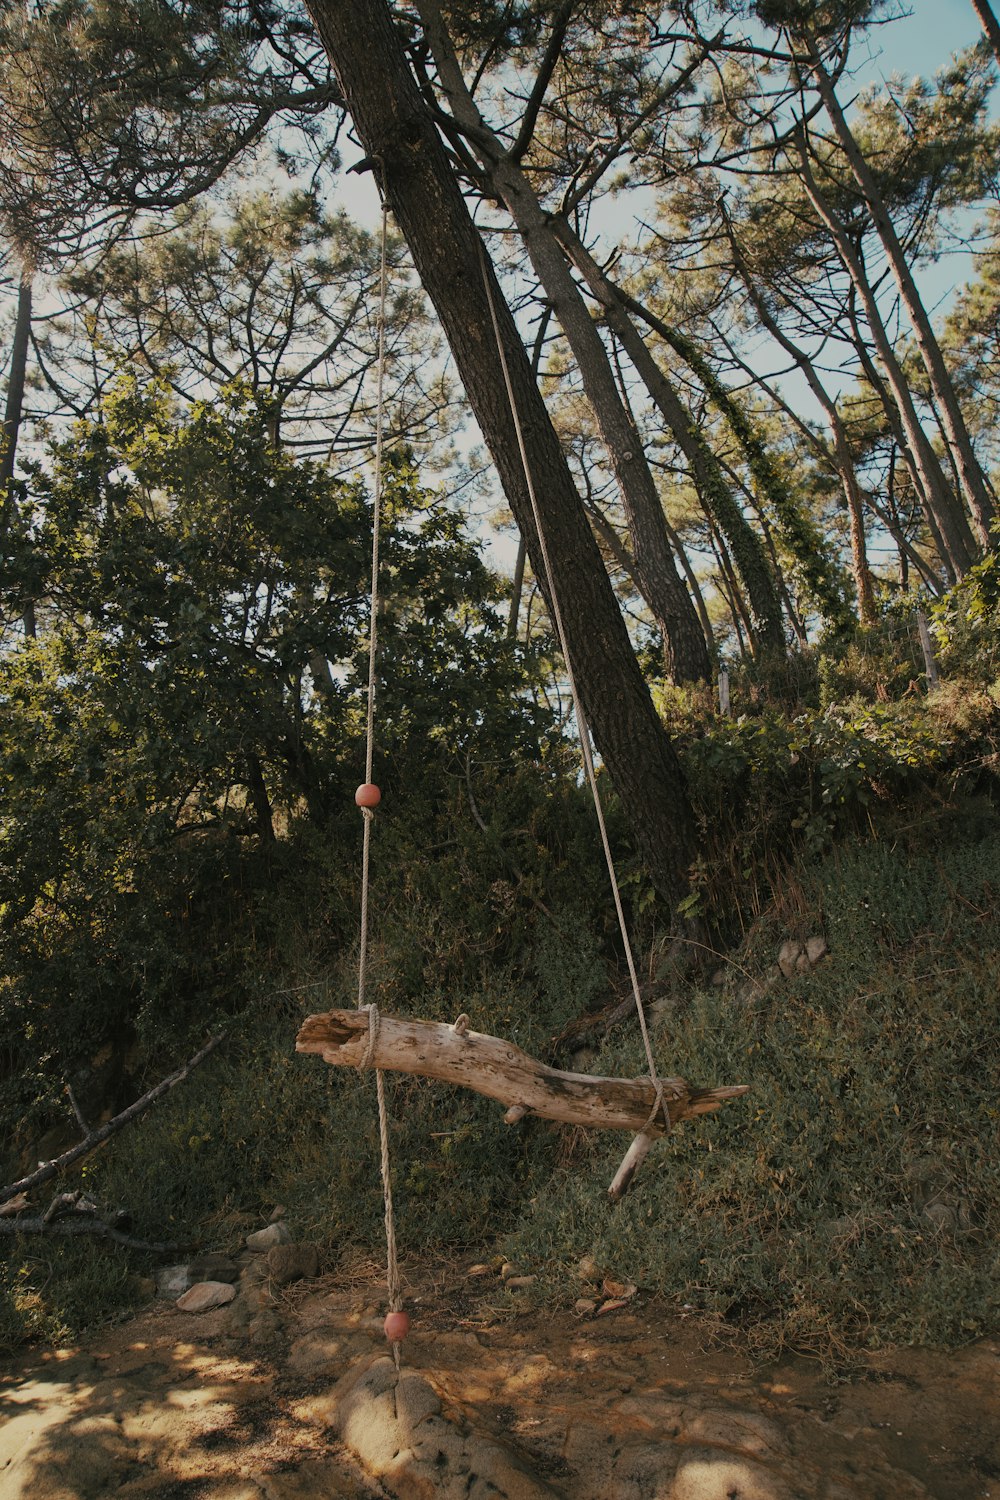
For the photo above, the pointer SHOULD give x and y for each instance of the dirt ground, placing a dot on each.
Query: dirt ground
(639, 1404)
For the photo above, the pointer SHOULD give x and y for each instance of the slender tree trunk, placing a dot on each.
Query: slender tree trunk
(917, 469)
(894, 523)
(399, 134)
(656, 572)
(820, 571)
(725, 586)
(973, 484)
(259, 799)
(696, 593)
(517, 582)
(841, 448)
(516, 588)
(947, 515)
(744, 544)
(13, 409)
(735, 592)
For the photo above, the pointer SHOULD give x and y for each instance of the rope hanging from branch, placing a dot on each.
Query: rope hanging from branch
(367, 798)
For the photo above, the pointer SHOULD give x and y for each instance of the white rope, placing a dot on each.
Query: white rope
(581, 721)
(392, 1264)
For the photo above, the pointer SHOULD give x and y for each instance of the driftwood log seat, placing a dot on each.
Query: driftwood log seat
(501, 1071)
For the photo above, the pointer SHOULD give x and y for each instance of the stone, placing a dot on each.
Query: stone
(816, 949)
(394, 1424)
(287, 1263)
(262, 1239)
(172, 1280)
(205, 1295)
(706, 1474)
(515, 1283)
(788, 956)
(278, 1212)
(265, 1328)
(146, 1287)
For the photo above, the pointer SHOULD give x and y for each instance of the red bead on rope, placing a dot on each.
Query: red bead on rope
(368, 795)
(397, 1326)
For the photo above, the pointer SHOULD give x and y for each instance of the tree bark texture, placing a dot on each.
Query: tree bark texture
(400, 136)
(13, 409)
(501, 1071)
(989, 23)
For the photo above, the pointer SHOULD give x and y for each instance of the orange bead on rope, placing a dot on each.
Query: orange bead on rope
(368, 795)
(397, 1326)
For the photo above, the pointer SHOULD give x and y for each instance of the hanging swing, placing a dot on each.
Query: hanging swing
(363, 1038)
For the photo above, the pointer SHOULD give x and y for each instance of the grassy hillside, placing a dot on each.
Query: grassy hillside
(852, 1198)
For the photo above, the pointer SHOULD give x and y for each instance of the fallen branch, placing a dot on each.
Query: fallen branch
(80, 1224)
(95, 1138)
(493, 1067)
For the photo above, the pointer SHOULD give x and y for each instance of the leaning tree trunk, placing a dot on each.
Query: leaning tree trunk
(399, 134)
(655, 571)
(746, 547)
(841, 448)
(990, 24)
(971, 478)
(948, 517)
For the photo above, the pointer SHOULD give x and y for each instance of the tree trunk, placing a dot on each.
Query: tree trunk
(13, 409)
(746, 547)
(841, 449)
(989, 23)
(696, 594)
(972, 481)
(259, 800)
(399, 134)
(655, 570)
(947, 515)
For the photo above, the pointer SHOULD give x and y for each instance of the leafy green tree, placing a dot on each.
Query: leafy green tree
(162, 738)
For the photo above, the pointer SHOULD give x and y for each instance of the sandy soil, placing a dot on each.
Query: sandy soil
(635, 1405)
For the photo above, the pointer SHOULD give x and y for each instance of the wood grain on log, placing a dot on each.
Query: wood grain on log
(501, 1071)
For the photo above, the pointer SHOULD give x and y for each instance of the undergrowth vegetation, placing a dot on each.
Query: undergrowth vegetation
(849, 1200)
(853, 1197)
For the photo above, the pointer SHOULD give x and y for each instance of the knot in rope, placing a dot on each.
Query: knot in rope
(374, 1022)
(657, 1107)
